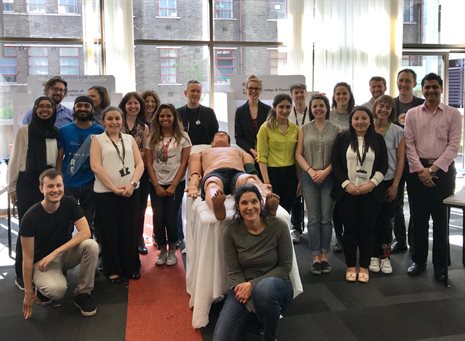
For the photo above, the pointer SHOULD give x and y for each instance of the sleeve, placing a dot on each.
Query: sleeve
(239, 133)
(453, 141)
(61, 139)
(381, 166)
(398, 135)
(75, 210)
(262, 144)
(230, 254)
(27, 117)
(214, 124)
(339, 168)
(283, 268)
(19, 153)
(409, 134)
(27, 225)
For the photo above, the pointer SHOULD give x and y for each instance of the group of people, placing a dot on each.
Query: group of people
(347, 163)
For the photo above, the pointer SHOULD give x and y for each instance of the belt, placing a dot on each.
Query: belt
(427, 162)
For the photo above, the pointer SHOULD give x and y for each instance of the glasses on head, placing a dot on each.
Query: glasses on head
(253, 89)
(44, 106)
(58, 90)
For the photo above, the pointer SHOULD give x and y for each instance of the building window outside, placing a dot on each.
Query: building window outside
(223, 9)
(224, 61)
(411, 11)
(278, 9)
(168, 8)
(67, 6)
(278, 59)
(169, 66)
(36, 6)
(69, 61)
(8, 5)
(38, 60)
(8, 65)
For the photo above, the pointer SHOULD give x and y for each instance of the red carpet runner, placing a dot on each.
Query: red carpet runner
(158, 305)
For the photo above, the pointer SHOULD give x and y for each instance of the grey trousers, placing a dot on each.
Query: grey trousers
(52, 282)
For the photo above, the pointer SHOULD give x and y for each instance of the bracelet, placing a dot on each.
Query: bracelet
(309, 167)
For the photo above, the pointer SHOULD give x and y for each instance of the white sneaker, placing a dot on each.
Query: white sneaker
(162, 257)
(172, 259)
(295, 236)
(386, 267)
(374, 264)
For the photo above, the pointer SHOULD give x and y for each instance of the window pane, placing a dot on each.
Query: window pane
(224, 9)
(67, 6)
(170, 20)
(258, 21)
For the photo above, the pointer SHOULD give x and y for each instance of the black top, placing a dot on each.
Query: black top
(50, 230)
(339, 164)
(244, 133)
(200, 123)
(402, 108)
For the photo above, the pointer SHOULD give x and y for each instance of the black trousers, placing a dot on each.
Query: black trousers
(425, 203)
(115, 222)
(359, 215)
(284, 182)
(383, 226)
(144, 190)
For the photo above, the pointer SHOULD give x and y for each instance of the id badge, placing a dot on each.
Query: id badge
(361, 174)
(124, 171)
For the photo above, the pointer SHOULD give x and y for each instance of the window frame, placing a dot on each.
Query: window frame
(64, 57)
(229, 11)
(169, 9)
(219, 58)
(167, 76)
(31, 56)
(278, 14)
(36, 3)
(64, 6)
(5, 57)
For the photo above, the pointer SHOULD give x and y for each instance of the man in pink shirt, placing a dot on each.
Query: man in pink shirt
(433, 133)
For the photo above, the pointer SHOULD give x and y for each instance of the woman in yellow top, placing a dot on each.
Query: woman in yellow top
(276, 142)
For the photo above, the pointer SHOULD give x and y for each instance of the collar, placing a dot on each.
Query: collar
(441, 107)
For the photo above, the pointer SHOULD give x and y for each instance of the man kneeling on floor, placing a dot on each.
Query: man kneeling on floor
(222, 169)
(49, 248)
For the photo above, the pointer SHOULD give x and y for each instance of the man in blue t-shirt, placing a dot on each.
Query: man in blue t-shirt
(73, 155)
(49, 249)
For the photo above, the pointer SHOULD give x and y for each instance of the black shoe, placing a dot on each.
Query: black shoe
(325, 267)
(439, 274)
(43, 300)
(115, 280)
(19, 282)
(316, 268)
(85, 303)
(416, 269)
(398, 247)
(135, 275)
(142, 248)
(338, 246)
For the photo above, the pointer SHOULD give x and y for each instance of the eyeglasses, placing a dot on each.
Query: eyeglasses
(58, 90)
(44, 106)
(254, 89)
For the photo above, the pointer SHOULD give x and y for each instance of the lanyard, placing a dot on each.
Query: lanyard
(165, 147)
(359, 158)
(117, 149)
(303, 118)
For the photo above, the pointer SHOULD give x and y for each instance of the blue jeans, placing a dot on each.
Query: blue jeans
(320, 207)
(270, 296)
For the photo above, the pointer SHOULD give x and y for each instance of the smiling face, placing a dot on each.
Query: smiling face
(405, 83)
(44, 109)
(57, 92)
(92, 93)
(52, 189)
(254, 90)
(360, 122)
(249, 207)
(132, 107)
(318, 109)
(432, 91)
(283, 110)
(83, 111)
(383, 111)
(193, 94)
(166, 119)
(377, 88)
(299, 96)
(113, 121)
(341, 96)
(150, 104)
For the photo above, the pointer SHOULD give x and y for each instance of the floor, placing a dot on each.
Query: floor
(389, 307)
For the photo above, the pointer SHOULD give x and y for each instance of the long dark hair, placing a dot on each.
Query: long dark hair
(104, 96)
(125, 100)
(237, 198)
(351, 103)
(271, 119)
(177, 128)
(369, 139)
(322, 98)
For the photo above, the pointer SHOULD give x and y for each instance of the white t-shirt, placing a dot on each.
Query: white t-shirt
(167, 157)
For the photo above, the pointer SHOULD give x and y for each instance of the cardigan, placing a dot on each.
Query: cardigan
(339, 164)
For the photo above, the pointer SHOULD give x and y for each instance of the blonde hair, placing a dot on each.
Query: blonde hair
(253, 78)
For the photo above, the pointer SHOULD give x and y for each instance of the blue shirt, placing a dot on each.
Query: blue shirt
(64, 116)
(75, 143)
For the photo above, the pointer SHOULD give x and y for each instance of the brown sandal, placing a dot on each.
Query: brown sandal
(351, 274)
(363, 275)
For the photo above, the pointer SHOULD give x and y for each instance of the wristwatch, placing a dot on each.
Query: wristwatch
(430, 170)
(134, 184)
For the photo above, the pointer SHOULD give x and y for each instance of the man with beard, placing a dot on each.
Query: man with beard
(73, 155)
(56, 88)
(377, 88)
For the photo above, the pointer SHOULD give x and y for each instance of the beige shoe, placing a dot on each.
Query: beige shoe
(172, 259)
(162, 257)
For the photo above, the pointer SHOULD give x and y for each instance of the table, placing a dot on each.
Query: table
(206, 275)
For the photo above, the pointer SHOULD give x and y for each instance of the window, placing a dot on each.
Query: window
(8, 5)
(169, 66)
(411, 11)
(224, 61)
(168, 8)
(8, 65)
(67, 6)
(36, 6)
(278, 59)
(224, 9)
(278, 9)
(69, 61)
(38, 60)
